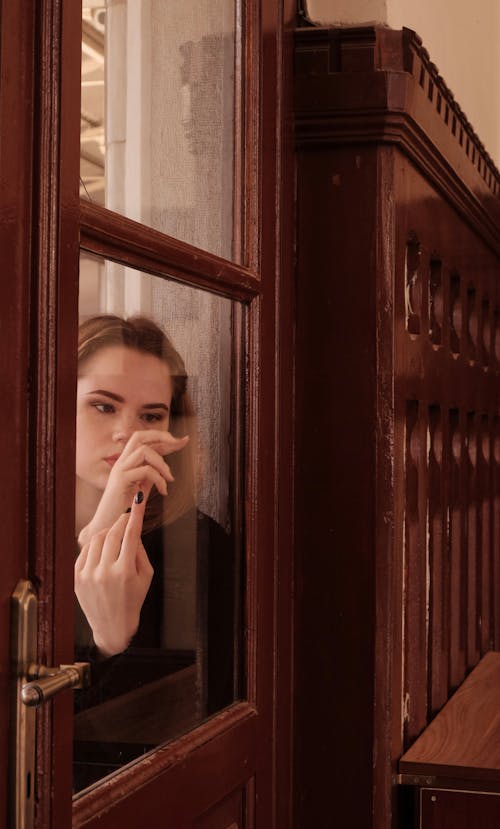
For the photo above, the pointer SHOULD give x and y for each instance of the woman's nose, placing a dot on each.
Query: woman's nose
(121, 436)
(123, 430)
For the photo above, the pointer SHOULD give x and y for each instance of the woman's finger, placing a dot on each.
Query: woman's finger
(144, 566)
(173, 444)
(81, 559)
(164, 442)
(94, 549)
(145, 475)
(146, 454)
(133, 531)
(113, 541)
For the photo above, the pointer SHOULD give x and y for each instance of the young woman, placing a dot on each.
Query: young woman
(135, 506)
(132, 412)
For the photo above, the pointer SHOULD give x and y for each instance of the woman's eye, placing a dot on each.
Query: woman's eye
(151, 417)
(105, 408)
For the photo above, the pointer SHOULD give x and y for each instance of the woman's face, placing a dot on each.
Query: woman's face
(120, 391)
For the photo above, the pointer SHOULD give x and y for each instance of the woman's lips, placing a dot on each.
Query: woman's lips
(112, 459)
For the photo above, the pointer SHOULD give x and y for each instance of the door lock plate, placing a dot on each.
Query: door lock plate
(23, 654)
(32, 685)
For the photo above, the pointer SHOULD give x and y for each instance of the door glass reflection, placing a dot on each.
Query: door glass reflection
(160, 133)
(158, 441)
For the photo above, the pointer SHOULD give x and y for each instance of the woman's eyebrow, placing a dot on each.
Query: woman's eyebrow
(110, 394)
(155, 406)
(120, 399)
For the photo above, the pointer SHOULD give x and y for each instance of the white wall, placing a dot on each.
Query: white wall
(462, 38)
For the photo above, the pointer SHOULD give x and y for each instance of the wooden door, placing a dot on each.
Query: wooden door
(16, 188)
(233, 769)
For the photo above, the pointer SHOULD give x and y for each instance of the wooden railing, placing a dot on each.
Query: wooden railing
(398, 378)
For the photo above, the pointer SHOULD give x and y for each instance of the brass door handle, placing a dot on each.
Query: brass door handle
(49, 681)
(32, 684)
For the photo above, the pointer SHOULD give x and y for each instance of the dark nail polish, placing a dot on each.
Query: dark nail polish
(139, 498)
(128, 510)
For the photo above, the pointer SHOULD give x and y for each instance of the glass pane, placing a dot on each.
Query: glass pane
(159, 123)
(158, 361)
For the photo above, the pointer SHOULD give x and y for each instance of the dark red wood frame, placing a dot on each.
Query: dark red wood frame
(247, 746)
(16, 159)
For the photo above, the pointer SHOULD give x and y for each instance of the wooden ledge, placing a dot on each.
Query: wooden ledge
(326, 55)
(463, 740)
(377, 86)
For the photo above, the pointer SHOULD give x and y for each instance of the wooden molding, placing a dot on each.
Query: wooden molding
(109, 234)
(232, 732)
(379, 86)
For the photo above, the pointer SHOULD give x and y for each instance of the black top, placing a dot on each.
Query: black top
(213, 658)
(145, 659)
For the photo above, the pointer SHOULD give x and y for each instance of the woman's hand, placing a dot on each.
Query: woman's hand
(112, 578)
(140, 466)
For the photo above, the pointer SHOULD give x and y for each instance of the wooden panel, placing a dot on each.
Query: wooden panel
(226, 815)
(335, 507)
(183, 779)
(446, 376)
(398, 371)
(442, 809)
(416, 560)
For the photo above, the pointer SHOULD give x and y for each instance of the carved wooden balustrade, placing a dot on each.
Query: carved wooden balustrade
(398, 377)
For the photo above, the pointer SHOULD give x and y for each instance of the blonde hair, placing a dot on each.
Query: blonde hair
(144, 335)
